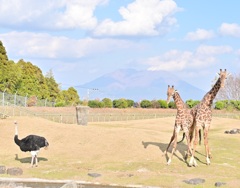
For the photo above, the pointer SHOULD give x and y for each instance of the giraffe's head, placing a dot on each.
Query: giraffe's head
(223, 76)
(170, 93)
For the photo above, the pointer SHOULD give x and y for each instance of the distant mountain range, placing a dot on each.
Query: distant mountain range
(137, 85)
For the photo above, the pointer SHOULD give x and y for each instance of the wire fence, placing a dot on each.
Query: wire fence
(14, 105)
(14, 99)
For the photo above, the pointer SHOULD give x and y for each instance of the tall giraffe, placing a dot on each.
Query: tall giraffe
(183, 121)
(203, 116)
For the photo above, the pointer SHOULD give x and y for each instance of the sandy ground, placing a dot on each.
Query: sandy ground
(124, 153)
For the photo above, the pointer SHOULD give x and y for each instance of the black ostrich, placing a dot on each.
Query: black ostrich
(31, 143)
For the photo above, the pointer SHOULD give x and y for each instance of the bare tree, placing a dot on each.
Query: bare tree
(231, 90)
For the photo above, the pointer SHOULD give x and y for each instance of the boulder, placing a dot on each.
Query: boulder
(15, 171)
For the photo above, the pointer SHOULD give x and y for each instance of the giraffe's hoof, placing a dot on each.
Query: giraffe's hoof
(208, 161)
(195, 163)
(169, 162)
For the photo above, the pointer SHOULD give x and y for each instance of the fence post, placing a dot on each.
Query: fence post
(82, 115)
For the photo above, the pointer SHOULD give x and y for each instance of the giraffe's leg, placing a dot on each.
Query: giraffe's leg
(174, 145)
(205, 130)
(192, 159)
(189, 152)
(172, 138)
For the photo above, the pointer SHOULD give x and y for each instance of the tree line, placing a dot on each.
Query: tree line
(24, 78)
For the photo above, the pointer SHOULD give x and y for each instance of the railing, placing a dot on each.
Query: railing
(70, 118)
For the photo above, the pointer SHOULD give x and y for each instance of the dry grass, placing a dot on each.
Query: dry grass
(124, 153)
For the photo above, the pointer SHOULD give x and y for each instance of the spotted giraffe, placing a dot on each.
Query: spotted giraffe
(183, 121)
(203, 116)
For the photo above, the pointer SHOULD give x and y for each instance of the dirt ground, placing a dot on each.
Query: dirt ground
(124, 153)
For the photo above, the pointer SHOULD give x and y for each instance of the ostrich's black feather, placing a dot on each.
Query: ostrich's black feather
(31, 142)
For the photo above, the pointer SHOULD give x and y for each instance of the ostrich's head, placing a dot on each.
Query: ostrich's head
(46, 144)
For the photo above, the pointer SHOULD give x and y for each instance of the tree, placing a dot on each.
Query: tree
(32, 81)
(95, 104)
(146, 104)
(120, 103)
(163, 103)
(191, 103)
(53, 87)
(130, 103)
(155, 104)
(172, 105)
(107, 103)
(3, 53)
(231, 90)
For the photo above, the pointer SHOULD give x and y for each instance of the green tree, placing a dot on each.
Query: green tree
(191, 103)
(3, 53)
(95, 104)
(219, 105)
(172, 105)
(120, 103)
(130, 103)
(163, 103)
(32, 81)
(107, 103)
(53, 87)
(145, 104)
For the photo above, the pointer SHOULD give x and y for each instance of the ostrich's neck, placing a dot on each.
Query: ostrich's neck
(16, 130)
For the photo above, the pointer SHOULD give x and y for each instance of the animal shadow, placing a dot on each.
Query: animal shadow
(181, 147)
(28, 159)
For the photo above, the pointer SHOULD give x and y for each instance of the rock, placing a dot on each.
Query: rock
(94, 175)
(2, 169)
(219, 184)
(15, 171)
(233, 131)
(70, 185)
(195, 181)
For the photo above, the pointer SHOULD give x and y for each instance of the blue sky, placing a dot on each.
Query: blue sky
(81, 40)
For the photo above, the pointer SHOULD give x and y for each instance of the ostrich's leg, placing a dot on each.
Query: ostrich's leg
(32, 160)
(36, 161)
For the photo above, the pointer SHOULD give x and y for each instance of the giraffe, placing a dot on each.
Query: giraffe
(203, 116)
(183, 121)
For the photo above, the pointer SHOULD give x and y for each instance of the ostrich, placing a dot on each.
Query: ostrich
(31, 143)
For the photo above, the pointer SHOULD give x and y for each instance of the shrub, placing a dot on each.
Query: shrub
(120, 103)
(219, 105)
(163, 103)
(172, 105)
(146, 104)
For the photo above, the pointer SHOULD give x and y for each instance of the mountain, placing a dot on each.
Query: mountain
(138, 85)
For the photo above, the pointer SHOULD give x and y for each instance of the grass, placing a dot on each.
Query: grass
(124, 153)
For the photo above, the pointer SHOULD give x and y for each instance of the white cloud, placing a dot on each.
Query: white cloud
(230, 29)
(42, 45)
(142, 17)
(199, 34)
(174, 60)
(45, 14)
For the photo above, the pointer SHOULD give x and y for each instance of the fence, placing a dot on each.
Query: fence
(13, 105)
(17, 100)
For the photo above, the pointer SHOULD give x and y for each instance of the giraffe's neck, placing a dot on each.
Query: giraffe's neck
(178, 101)
(209, 97)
